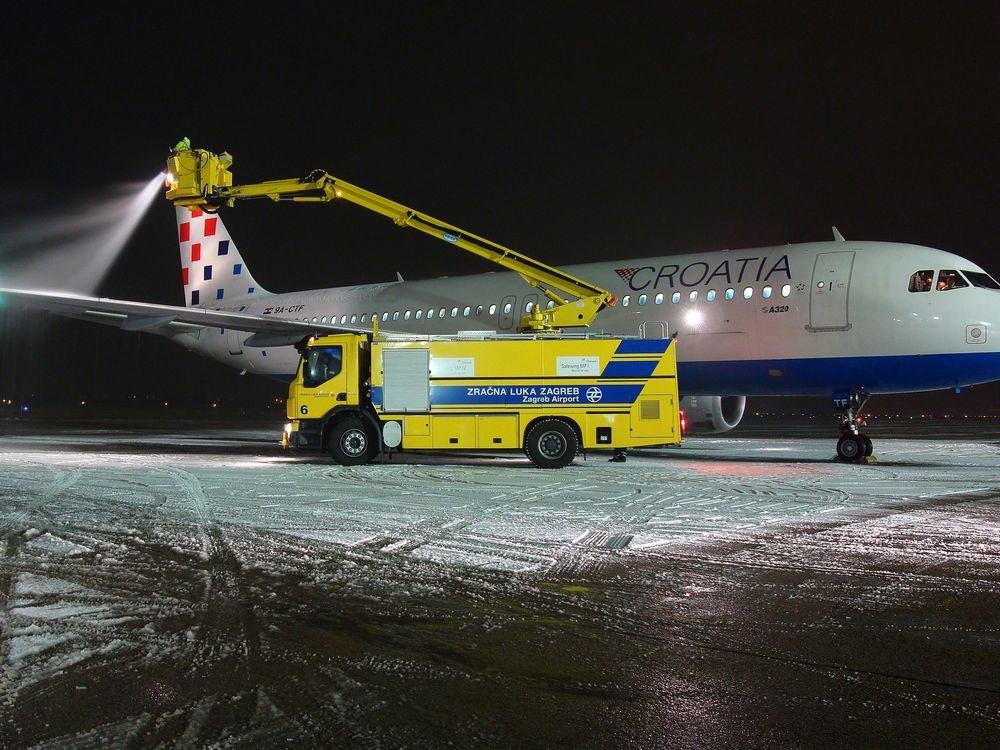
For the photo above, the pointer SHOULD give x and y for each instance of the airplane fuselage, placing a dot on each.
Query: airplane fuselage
(788, 320)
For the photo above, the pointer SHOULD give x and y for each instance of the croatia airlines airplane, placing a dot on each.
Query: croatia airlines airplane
(841, 319)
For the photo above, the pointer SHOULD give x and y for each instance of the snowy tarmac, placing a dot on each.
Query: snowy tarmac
(202, 588)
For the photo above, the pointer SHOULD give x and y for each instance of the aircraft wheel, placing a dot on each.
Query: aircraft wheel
(869, 448)
(851, 447)
(551, 444)
(349, 443)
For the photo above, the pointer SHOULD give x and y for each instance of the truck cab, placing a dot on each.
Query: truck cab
(333, 375)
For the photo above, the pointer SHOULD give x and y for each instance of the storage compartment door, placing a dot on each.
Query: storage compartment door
(405, 380)
(453, 432)
(498, 431)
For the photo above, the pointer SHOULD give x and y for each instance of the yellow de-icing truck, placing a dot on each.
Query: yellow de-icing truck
(356, 396)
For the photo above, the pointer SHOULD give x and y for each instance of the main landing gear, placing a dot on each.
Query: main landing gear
(854, 445)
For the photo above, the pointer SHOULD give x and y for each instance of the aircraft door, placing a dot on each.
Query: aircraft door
(508, 308)
(828, 300)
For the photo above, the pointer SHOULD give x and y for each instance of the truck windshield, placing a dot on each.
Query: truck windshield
(320, 364)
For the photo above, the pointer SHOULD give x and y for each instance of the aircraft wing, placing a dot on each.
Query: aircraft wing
(168, 320)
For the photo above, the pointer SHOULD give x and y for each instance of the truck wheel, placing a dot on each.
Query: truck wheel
(551, 444)
(349, 443)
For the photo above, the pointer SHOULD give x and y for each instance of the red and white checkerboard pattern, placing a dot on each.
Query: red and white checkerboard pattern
(626, 273)
(212, 270)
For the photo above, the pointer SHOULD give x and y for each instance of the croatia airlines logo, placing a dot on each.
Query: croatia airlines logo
(626, 273)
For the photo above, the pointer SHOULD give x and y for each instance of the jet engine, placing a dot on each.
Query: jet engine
(713, 413)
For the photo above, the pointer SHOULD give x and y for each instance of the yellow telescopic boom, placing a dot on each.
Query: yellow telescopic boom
(201, 179)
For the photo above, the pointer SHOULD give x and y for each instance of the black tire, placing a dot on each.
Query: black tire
(350, 442)
(869, 448)
(551, 444)
(851, 448)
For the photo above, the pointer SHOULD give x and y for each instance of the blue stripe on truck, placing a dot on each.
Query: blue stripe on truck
(531, 394)
(643, 346)
(630, 368)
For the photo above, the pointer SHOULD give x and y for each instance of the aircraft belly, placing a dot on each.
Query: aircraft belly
(280, 362)
(823, 375)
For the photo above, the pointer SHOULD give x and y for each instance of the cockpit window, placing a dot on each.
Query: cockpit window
(948, 280)
(922, 281)
(980, 279)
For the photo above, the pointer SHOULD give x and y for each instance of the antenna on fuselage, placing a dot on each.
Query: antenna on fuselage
(837, 236)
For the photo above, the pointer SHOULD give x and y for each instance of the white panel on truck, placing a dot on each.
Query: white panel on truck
(405, 380)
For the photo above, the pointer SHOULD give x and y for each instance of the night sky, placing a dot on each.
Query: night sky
(572, 131)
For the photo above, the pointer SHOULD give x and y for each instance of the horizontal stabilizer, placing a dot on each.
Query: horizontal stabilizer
(264, 340)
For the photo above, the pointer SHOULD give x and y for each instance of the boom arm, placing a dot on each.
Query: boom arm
(198, 178)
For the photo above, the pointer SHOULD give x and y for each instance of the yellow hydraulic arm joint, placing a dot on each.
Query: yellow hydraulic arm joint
(199, 178)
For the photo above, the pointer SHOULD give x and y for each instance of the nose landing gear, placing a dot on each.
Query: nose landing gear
(854, 446)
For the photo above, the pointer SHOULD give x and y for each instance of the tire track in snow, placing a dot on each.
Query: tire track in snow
(62, 480)
(228, 613)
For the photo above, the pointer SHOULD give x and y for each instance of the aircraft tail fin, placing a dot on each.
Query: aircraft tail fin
(212, 269)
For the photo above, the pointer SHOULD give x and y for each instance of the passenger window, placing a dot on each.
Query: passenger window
(693, 296)
(948, 280)
(364, 317)
(323, 320)
(921, 281)
(343, 319)
(642, 299)
(430, 313)
(406, 315)
(786, 290)
(659, 299)
(442, 312)
(730, 293)
(466, 311)
(710, 296)
(419, 314)
(354, 318)
(479, 310)
(493, 309)
(321, 364)
(675, 297)
(395, 315)
(766, 292)
(625, 300)
(385, 316)
(748, 292)
(550, 305)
